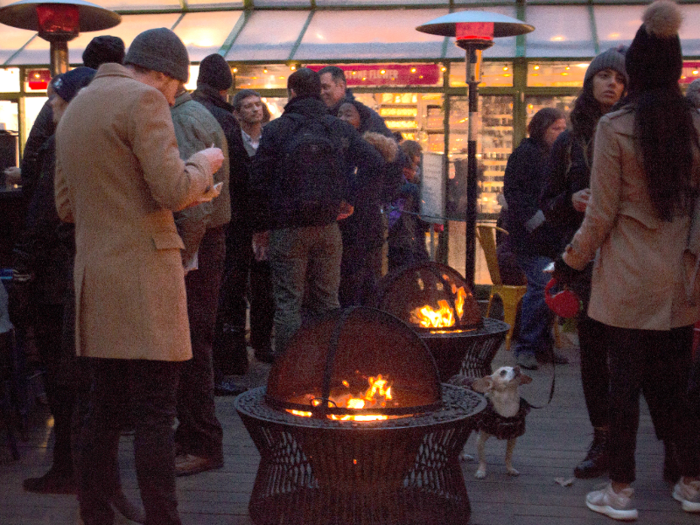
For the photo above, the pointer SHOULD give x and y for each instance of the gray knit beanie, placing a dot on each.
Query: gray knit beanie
(613, 58)
(160, 50)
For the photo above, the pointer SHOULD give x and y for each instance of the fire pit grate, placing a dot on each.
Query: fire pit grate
(317, 471)
(354, 427)
(438, 304)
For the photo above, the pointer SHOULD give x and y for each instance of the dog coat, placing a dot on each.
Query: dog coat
(495, 424)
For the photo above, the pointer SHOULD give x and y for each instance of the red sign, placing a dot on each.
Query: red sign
(691, 71)
(475, 31)
(389, 74)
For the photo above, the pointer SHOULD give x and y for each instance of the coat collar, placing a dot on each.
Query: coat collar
(112, 69)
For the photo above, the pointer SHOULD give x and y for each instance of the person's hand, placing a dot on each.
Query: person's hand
(580, 199)
(563, 273)
(345, 211)
(261, 242)
(215, 157)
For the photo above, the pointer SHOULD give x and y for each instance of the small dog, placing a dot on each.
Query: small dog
(504, 417)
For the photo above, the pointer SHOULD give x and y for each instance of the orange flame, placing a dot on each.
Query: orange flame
(378, 393)
(444, 316)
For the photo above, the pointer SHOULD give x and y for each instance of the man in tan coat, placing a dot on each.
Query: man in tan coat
(119, 177)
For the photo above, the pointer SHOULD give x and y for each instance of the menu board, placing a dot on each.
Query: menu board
(432, 205)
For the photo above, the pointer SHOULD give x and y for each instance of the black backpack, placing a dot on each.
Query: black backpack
(311, 176)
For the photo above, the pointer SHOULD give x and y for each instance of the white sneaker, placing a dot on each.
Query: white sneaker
(617, 506)
(688, 494)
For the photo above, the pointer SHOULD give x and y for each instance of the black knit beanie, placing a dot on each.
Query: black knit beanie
(654, 58)
(214, 71)
(613, 58)
(103, 49)
(160, 50)
(68, 84)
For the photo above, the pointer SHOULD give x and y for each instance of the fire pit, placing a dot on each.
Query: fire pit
(354, 427)
(438, 304)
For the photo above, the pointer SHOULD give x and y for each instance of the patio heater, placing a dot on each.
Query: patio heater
(58, 21)
(474, 31)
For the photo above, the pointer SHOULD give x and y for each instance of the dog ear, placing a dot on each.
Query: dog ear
(483, 385)
(525, 380)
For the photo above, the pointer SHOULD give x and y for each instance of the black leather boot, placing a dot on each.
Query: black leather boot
(672, 471)
(596, 461)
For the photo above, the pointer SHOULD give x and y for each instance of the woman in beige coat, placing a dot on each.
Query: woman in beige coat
(645, 175)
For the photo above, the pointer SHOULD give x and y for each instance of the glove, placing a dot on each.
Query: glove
(565, 274)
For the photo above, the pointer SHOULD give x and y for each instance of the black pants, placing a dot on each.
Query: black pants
(360, 271)
(60, 391)
(146, 389)
(231, 316)
(199, 431)
(659, 363)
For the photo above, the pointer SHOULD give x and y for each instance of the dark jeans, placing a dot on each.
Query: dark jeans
(595, 375)
(199, 431)
(535, 316)
(659, 363)
(146, 389)
(240, 265)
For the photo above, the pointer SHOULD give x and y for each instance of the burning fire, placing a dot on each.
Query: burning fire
(444, 316)
(376, 396)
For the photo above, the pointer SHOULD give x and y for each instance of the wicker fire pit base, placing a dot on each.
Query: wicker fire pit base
(400, 471)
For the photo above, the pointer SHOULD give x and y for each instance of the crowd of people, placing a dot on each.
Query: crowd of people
(159, 219)
(156, 216)
(606, 209)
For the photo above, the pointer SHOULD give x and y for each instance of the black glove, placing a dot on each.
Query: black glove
(565, 274)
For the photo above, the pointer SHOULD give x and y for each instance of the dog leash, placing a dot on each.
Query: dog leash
(551, 388)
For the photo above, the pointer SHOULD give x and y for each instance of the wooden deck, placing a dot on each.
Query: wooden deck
(556, 439)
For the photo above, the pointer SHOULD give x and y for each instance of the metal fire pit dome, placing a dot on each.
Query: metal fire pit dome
(344, 352)
(409, 289)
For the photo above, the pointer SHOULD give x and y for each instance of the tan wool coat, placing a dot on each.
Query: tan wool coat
(637, 275)
(119, 178)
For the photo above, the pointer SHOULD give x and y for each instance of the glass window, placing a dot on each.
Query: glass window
(12, 40)
(254, 42)
(617, 24)
(559, 31)
(321, 3)
(215, 3)
(205, 33)
(32, 106)
(141, 5)
(192, 82)
(535, 103)
(9, 116)
(130, 26)
(503, 47)
(9, 80)
(691, 71)
(690, 30)
(494, 146)
(275, 106)
(261, 77)
(282, 3)
(370, 34)
(556, 74)
(492, 74)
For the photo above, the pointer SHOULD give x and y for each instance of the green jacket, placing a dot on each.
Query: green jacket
(196, 129)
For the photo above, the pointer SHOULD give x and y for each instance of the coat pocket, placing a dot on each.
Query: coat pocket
(167, 241)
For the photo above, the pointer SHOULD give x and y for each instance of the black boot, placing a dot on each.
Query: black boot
(672, 471)
(596, 461)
